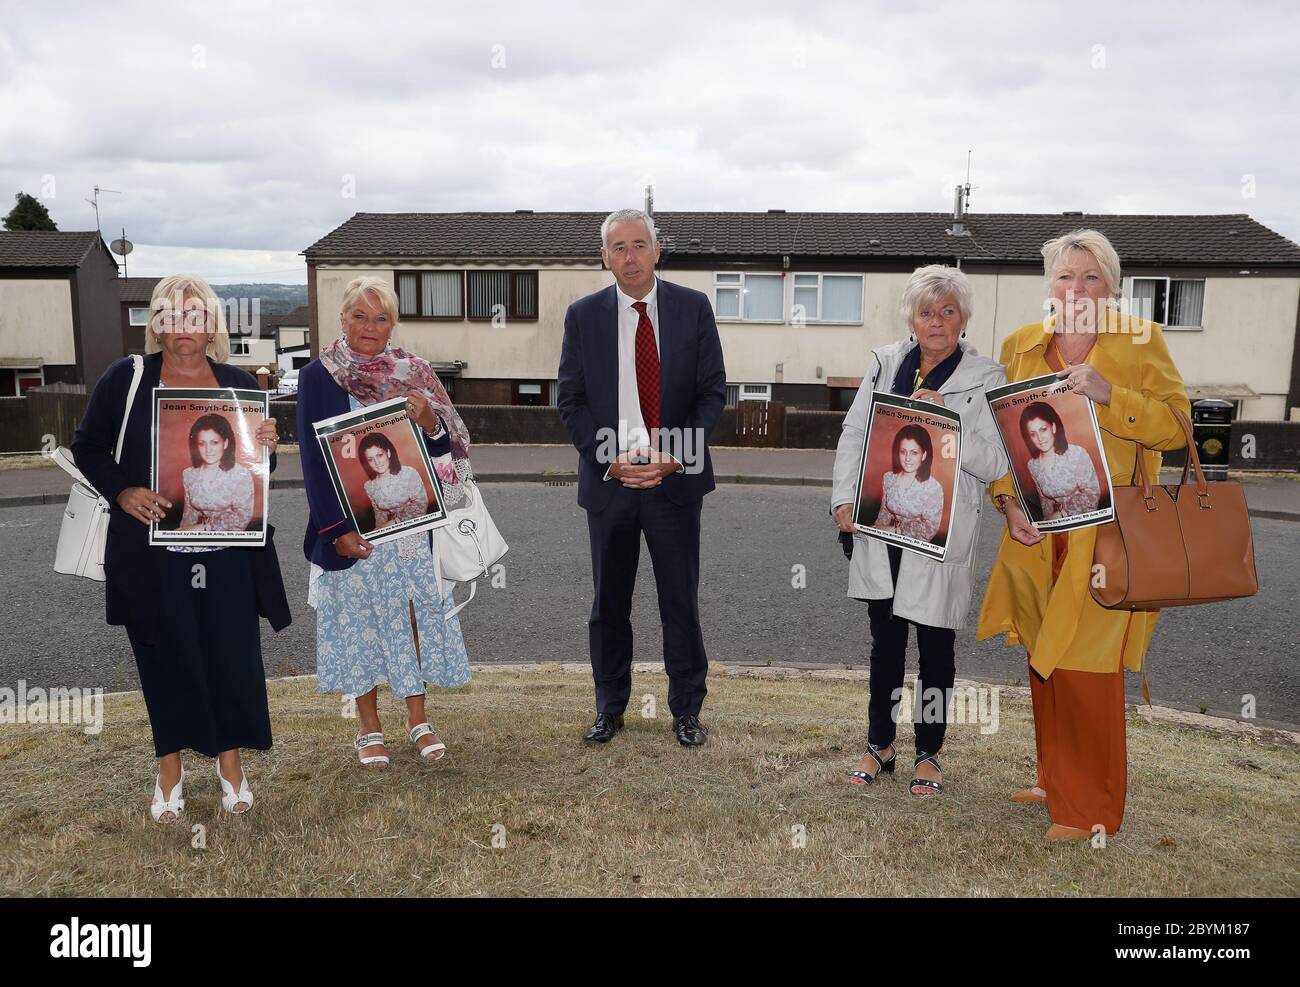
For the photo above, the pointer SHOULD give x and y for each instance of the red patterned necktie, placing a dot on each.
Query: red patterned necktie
(647, 368)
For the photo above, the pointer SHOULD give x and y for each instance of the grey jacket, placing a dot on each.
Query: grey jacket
(933, 593)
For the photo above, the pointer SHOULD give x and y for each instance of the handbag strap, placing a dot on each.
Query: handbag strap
(1191, 463)
(137, 363)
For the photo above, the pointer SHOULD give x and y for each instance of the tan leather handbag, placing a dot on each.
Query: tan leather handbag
(1175, 545)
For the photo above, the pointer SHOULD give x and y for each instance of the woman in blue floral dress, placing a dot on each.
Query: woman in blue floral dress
(383, 616)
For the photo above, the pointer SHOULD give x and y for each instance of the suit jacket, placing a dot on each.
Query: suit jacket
(692, 384)
(320, 397)
(133, 569)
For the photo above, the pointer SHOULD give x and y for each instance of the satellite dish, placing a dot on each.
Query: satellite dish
(121, 246)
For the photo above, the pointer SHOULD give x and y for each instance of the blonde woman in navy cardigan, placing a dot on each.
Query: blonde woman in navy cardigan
(198, 648)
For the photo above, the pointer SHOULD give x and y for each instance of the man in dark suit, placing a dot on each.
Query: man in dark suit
(641, 385)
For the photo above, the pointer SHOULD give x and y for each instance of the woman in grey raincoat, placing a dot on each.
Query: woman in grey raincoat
(904, 589)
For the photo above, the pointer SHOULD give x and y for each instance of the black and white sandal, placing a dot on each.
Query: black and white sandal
(365, 740)
(886, 767)
(434, 752)
(935, 786)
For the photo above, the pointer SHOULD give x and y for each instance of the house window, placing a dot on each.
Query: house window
(745, 297)
(240, 347)
(1173, 303)
(430, 294)
(529, 392)
(25, 378)
(827, 298)
(754, 392)
(138, 316)
(509, 294)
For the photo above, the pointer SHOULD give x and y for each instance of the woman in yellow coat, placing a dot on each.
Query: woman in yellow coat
(1038, 592)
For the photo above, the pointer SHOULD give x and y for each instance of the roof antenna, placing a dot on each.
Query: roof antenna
(95, 202)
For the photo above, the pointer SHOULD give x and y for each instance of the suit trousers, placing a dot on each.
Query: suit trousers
(672, 533)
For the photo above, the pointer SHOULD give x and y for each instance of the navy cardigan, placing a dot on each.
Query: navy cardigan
(133, 569)
(320, 397)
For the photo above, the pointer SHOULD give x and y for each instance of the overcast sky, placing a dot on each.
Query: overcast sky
(238, 134)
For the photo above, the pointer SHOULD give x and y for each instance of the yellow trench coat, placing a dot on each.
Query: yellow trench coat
(1063, 626)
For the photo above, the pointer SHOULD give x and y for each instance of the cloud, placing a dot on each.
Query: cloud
(258, 129)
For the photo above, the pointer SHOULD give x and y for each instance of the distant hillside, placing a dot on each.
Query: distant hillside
(276, 299)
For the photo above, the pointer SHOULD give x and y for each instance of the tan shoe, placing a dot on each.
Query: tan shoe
(1057, 832)
(1027, 796)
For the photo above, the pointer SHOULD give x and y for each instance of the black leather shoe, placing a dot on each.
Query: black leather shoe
(603, 730)
(690, 731)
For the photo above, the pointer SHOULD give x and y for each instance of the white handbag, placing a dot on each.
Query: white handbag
(84, 531)
(468, 545)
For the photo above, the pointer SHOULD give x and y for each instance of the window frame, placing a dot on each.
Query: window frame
(1168, 280)
(420, 316)
(130, 315)
(512, 308)
(741, 286)
(821, 280)
(25, 373)
(740, 392)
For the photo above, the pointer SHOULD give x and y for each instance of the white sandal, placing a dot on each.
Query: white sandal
(175, 804)
(430, 753)
(231, 798)
(370, 740)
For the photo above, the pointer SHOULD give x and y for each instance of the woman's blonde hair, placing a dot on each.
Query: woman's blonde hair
(169, 295)
(1091, 242)
(379, 289)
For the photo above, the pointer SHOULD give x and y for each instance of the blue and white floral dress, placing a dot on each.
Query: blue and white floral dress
(363, 622)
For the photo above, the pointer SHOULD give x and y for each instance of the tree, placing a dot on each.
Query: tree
(29, 214)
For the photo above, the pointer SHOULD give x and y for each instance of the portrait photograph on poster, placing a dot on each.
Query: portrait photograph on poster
(381, 471)
(908, 473)
(1051, 437)
(207, 462)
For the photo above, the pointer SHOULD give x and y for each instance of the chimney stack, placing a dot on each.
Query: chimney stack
(960, 199)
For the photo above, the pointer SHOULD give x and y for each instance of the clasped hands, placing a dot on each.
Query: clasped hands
(643, 468)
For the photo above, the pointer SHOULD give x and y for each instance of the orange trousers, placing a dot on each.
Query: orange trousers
(1079, 735)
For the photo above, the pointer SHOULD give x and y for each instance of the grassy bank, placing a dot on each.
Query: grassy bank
(1208, 814)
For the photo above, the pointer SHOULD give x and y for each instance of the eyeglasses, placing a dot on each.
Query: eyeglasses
(169, 320)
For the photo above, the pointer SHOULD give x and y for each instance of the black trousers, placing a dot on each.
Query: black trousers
(672, 533)
(937, 672)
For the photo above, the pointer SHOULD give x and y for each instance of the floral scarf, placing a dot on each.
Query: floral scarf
(390, 374)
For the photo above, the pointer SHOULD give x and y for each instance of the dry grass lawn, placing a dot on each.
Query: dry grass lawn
(1208, 813)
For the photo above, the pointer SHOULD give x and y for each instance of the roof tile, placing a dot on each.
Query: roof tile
(1007, 237)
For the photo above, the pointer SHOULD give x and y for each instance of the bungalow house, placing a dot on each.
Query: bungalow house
(290, 332)
(802, 297)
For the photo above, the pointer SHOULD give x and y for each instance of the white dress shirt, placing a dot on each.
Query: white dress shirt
(632, 433)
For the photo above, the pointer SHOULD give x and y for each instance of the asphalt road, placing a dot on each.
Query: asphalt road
(1208, 656)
